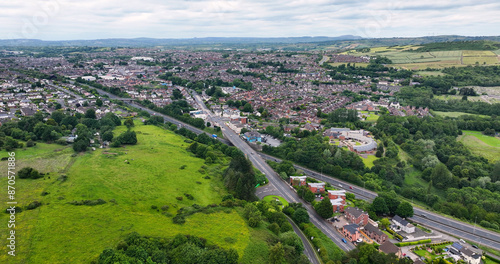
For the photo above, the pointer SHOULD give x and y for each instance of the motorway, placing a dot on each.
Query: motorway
(279, 187)
(432, 220)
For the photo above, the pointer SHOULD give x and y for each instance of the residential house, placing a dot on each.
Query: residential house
(351, 232)
(403, 225)
(337, 198)
(374, 233)
(317, 187)
(298, 180)
(390, 248)
(470, 257)
(356, 216)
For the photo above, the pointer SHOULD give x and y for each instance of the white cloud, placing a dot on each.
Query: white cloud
(90, 19)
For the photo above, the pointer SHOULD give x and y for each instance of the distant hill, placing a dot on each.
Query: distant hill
(459, 45)
(151, 42)
(378, 42)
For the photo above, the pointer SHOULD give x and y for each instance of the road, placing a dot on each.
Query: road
(308, 249)
(444, 224)
(281, 188)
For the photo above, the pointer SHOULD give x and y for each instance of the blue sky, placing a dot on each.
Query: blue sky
(92, 19)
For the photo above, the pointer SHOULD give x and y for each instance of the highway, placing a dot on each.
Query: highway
(281, 188)
(435, 221)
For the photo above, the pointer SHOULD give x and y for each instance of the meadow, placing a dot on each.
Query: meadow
(485, 146)
(433, 59)
(134, 181)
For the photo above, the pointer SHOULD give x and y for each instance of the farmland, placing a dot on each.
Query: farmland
(432, 59)
(485, 146)
(140, 198)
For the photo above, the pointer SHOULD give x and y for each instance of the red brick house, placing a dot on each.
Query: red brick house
(351, 232)
(317, 187)
(298, 180)
(374, 233)
(356, 216)
(337, 198)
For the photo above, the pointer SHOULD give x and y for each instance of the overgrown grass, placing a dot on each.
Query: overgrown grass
(481, 145)
(131, 180)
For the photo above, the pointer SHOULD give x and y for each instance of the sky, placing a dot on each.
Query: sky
(98, 19)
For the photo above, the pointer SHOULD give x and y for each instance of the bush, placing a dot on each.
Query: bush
(165, 207)
(28, 173)
(253, 222)
(275, 228)
(179, 198)
(154, 207)
(183, 167)
(402, 244)
(33, 205)
(179, 219)
(189, 196)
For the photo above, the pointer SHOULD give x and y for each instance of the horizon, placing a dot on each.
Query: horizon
(64, 20)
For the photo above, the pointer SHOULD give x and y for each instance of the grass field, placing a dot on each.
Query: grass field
(454, 114)
(274, 197)
(58, 232)
(369, 160)
(434, 59)
(370, 116)
(485, 146)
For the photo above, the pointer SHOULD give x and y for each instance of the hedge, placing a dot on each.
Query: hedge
(423, 241)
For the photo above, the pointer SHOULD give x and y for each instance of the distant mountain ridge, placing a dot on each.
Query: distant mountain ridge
(149, 42)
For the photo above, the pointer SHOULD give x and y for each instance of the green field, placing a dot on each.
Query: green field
(369, 160)
(131, 180)
(454, 114)
(274, 197)
(433, 59)
(485, 146)
(370, 116)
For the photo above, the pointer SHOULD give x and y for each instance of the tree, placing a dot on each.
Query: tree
(384, 222)
(379, 206)
(107, 136)
(98, 102)
(176, 94)
(128, 137)
(324, 208)
(441, 176)
(277, 254)
(28, 173)
(405, 209)
(129, 122)
(81, 144)
(239, 178)
(309, 196)
(247, 108)
(90, 113)
(300, 216)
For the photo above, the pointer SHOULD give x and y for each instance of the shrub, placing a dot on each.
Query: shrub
(183, 167)
(154, 207)
(189, 196)
(253, 222)
(275, 228)
(33, 205)
(179, 219)
(165, 207)
(28, 172)
(179, 198)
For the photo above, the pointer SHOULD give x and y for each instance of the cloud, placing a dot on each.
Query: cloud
(91, 19)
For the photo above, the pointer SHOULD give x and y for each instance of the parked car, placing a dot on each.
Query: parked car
(343, 240)
(474, 246)
(350, 187)
(462, 241)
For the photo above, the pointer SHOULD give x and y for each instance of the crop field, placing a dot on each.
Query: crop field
(485, 146)
(131, 180)
(434, 59)
(480, 57)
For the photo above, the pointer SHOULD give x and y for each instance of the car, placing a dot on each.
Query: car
(343, 240)
(359, 240)
(350, 187)
(462, 241)
(474, 246)
(340, 185)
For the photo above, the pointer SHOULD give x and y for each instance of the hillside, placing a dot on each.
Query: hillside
(130, 181)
